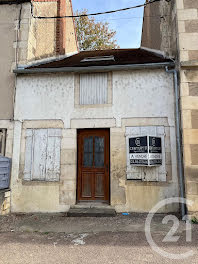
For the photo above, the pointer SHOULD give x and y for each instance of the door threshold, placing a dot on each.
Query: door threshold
(87, 204)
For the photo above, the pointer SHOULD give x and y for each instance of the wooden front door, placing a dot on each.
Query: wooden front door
(93, 165)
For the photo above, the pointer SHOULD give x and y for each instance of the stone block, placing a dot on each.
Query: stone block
(68, 197)
(180, 4)
(187, 155)
(69, 185)
(69, 133)
(69, 143)
(193, 54)
(184, 55)
(93, 123)
(184, 89)
(190, 4)
(118, 141)
(192, 188)
(190, 136)
(191, 26)
(189, 102)
(193, 89)
(68, 156)
(192, 75)
(68, 172)
(147, 121)
(194, 206)
(194, 117)
(185, 44)
(187, 14)
(43, 124)
(186, 119)
(191, 173)
(181, 26)
(194, 154)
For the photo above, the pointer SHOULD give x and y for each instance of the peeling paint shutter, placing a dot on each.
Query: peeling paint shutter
(146, 173)
(93, 88)
(133, 173)
(2, 141)
(39, 154)
(162, 169)
(28, 155)
(53, 155)
(5, 169)
(42, 156)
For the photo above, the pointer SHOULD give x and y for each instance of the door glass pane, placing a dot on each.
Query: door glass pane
(88, 152)
(99, 152)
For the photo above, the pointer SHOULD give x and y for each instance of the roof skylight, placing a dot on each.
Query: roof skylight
(98, 58)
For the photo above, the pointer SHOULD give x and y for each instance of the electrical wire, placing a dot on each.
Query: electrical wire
(93, 14)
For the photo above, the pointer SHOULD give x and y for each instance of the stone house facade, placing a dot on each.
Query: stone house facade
(74, 119)
(18, 37)
(179, 22)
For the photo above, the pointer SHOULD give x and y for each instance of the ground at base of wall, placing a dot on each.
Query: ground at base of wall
(4, 202)
(60, 223)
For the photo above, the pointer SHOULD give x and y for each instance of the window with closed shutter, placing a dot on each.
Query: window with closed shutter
(93, 88)
(157, 173)
(42, 154)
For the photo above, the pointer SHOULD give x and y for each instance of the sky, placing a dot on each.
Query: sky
(127, 24)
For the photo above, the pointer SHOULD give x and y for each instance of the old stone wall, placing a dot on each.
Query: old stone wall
(187, 14)
(51, 37)
(53, 104)
(159, 27)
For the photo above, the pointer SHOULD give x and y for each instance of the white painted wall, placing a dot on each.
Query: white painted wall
(139, 98)
(140, 93)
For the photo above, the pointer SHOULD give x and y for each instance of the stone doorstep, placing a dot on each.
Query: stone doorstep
(91, 210)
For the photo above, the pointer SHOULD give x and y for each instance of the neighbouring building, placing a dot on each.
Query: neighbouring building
(85, 123)
(173, 28)
(24, 38)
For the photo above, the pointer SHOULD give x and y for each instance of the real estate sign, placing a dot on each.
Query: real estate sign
(145, 151)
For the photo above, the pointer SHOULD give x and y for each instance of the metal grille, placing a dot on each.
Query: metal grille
(2, 141)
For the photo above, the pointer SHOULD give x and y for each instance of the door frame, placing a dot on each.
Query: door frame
(77, 176)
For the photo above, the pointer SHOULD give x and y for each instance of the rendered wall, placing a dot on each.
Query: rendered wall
(139, 98)
(9, 56)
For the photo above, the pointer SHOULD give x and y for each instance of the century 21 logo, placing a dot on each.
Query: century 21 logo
(137, 142)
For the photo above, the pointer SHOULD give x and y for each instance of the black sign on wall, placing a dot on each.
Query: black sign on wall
(145, 151)
(155, 151)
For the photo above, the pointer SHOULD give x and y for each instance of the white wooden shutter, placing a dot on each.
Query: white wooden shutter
(42, 156)
(133, 172)
(2, 141)
(53, 155)
(162, 173)
(39, 154)
(28, 154)
(157, 173)
(93, 88)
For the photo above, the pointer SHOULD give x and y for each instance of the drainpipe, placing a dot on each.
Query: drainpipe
(179, 142)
